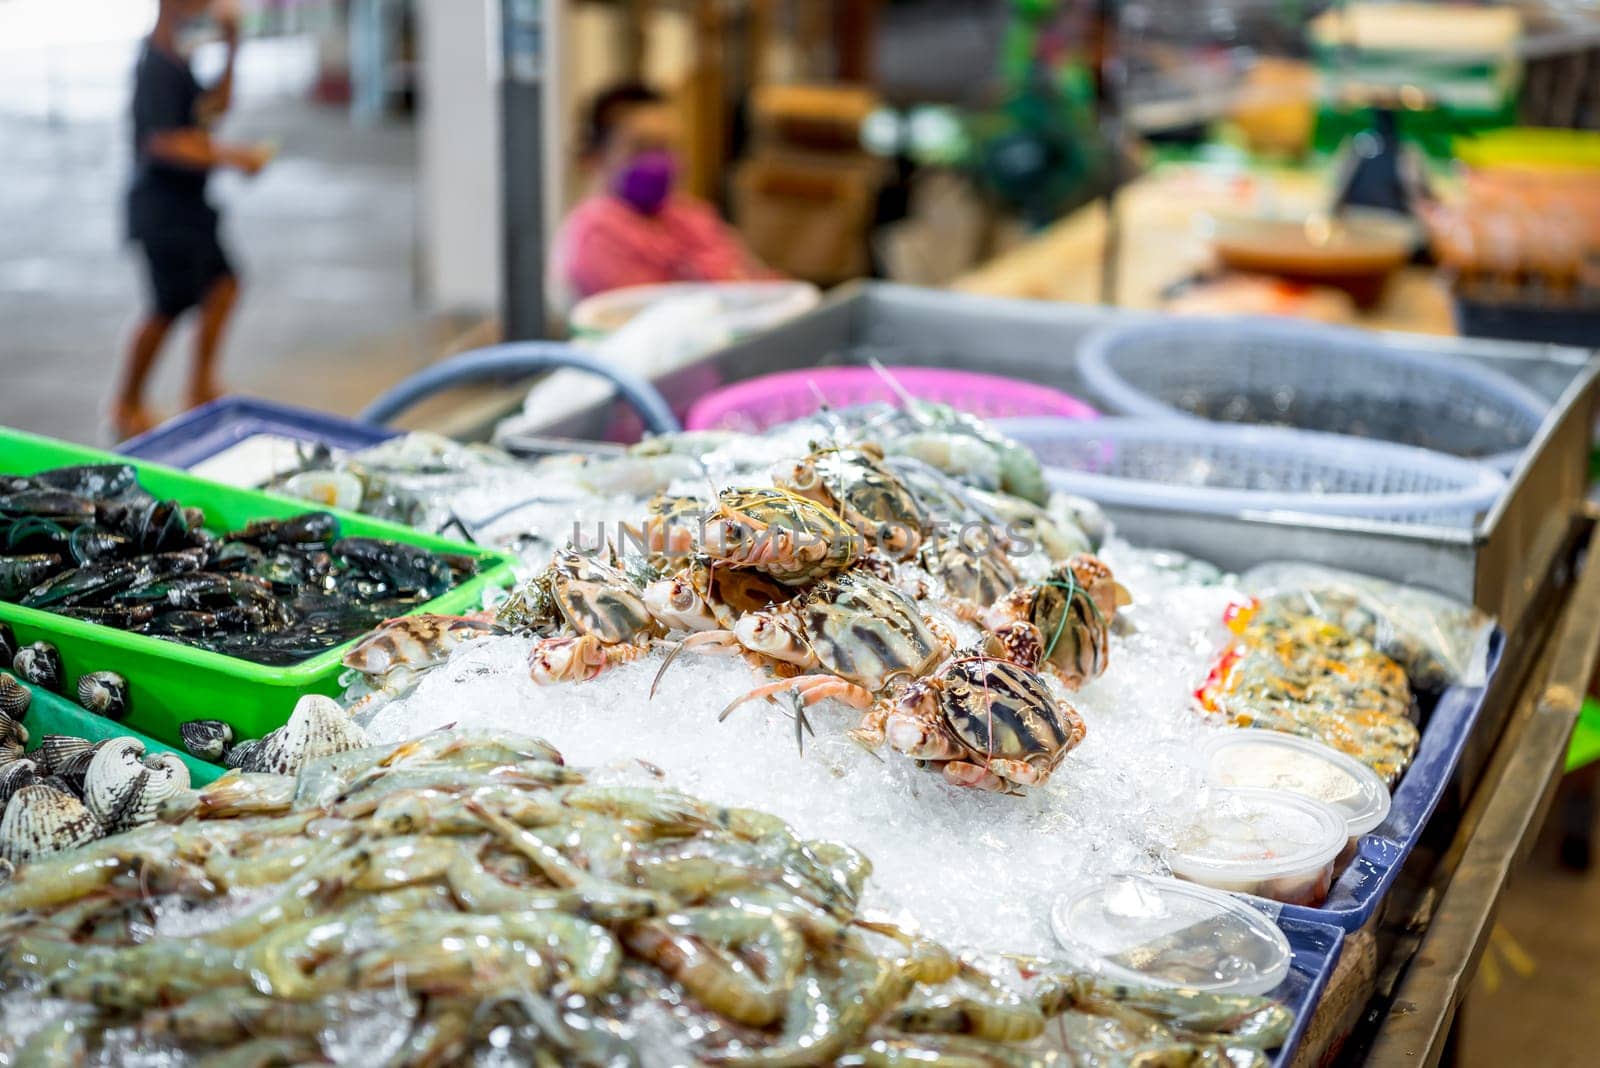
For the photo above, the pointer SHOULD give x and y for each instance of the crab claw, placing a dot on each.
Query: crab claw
(1017, 641)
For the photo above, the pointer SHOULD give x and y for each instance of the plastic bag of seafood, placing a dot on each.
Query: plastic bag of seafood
(1440, 641)
(468, 894)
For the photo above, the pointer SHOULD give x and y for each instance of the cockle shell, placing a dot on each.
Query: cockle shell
(42, 819)
(10, 748)
(14, 697)
(207, 739)
(242, 753)
(15, 775)
(123, 788)
(40, 664)
(68, 758)
(12, 730)
(105, 693)
(64, 752)
(318, 728)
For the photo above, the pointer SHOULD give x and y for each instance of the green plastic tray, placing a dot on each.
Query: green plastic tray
(170, 683)
(53, 714)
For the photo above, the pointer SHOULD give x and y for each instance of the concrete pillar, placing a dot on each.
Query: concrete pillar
(459, 154)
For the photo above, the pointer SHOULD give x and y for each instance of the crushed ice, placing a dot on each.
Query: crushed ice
(976, 870)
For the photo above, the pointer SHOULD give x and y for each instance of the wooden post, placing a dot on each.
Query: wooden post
(855, 31)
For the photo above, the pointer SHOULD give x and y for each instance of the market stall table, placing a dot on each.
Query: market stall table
(1163, 243)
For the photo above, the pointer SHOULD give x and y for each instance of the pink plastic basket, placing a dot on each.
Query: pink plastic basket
(758, 403)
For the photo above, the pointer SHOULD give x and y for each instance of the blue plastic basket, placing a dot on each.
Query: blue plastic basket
(1311, 377)
(1315, 949)
(1360, 889)
(1218, 469)
(211, 429)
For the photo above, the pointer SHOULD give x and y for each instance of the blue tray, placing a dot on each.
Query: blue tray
(1360, 888)
(1316, 948)
(201, 433)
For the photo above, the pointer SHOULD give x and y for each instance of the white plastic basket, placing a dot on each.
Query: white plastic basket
(742, 307)
(1311, 377)
(1196, 466)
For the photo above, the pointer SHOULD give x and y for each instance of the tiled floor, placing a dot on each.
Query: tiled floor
(324, 240)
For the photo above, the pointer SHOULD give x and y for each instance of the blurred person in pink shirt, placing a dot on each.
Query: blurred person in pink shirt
(634, 227)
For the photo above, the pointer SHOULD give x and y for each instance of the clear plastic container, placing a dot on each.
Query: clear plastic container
(1275, 761)
(1151, 931)
(1270, 843)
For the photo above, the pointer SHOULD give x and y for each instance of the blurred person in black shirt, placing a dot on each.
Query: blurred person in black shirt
(169, 216)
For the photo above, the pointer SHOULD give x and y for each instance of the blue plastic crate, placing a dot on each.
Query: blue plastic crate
(1360, 889)
(211, 429)
(1316, 948)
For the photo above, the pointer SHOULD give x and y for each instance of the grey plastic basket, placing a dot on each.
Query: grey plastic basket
(1192, 465)
(1281, 373)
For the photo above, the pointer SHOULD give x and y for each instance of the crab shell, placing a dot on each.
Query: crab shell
(974, 577)
(597, 599)
(855, 483)
(857, 627)
(791, 538)
(414, 642)
(986, 713)
(1066, 619)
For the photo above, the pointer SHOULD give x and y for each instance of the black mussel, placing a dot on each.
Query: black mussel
(105, 693)
(87, 545)
(8, 642)
(40, 664)
(153, 526)
(48, 504)
(405, 568)
(461, 564)
(19, 574)
(232, 556)
(312, 528)
(88, 584)
(121, 617)
(163, 527)
(90, 480)
(14, 699)
(207, 739)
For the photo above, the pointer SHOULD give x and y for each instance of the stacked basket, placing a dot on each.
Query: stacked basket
(1233, 415)
(1222, 416)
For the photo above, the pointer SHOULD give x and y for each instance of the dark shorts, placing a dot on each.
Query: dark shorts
(183, 267)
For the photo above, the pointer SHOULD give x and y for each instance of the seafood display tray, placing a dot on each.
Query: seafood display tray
(1315, 948)
(211, 430)
(50, 713)
(170, 683)
(1360, 889)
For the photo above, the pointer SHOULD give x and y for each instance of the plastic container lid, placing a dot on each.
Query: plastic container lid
(1273, 760)
(1167, 933)
(1245, 835)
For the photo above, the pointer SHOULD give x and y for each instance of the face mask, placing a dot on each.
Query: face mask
(647, 179)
